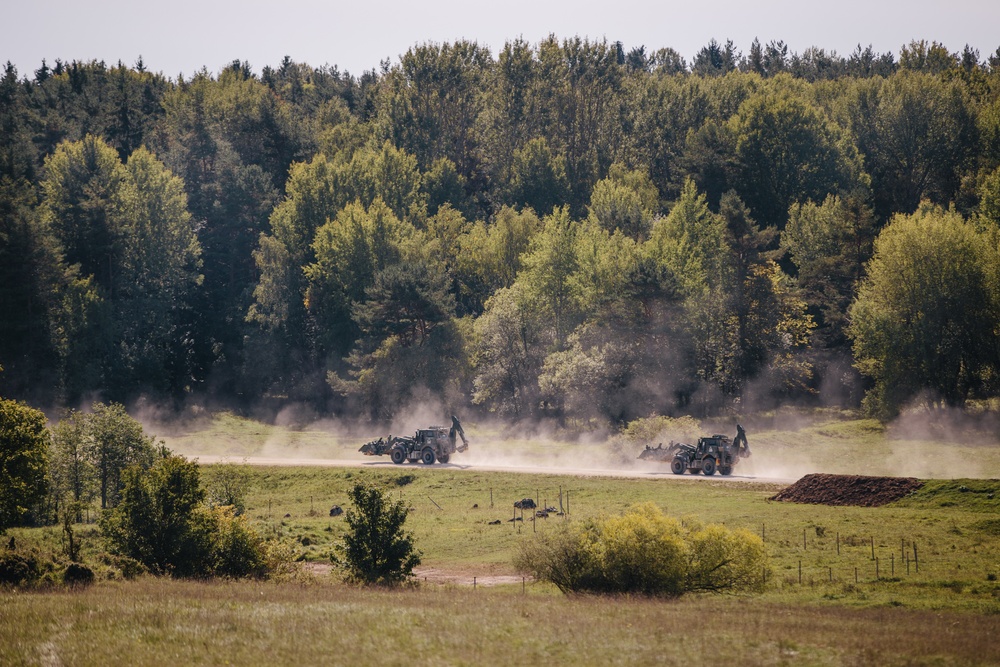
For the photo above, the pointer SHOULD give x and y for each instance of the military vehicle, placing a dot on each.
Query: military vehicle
(717, 452)
(434, 443)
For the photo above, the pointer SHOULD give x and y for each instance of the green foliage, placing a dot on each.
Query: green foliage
(226, 485)
(218, 233)
(76, 574)
(924, 319)
(18, 568)
(538, 178)
(73, 473)
(644, 551)
(625, 201)
(24, 445)
(128, 228)
(647, 430)
(115, 441)
(829, 244)
(375, 548)
(162, 524)
(157, 521)
(508, 354)
(917, 133)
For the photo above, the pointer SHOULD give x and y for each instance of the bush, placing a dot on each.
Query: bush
(78, 575)
(647, 552)
(239, 550)
(161, 523)
(375, 548)
(227, 485)
(18, 569)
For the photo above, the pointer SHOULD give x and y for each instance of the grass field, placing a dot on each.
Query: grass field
(162, 622)
(843, 585)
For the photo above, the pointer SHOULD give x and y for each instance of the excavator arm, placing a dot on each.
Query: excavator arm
(740, 443)
(456, 429)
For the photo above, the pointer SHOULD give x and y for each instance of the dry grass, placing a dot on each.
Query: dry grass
(156, 622)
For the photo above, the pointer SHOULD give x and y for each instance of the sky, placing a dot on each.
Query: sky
(182, 36)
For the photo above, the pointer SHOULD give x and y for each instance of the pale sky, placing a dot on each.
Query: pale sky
(182, 36)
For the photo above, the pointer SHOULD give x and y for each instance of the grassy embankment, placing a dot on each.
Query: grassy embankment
(947, 613)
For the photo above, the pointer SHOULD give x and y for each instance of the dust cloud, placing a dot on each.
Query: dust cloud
(787, 443)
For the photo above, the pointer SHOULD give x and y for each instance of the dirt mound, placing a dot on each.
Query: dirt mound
(822, 489)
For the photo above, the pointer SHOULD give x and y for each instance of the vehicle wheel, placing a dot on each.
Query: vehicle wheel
(444, 458)
(427, 457)
(397, 456)
(708, 466)
(725, 470)
(677, 466)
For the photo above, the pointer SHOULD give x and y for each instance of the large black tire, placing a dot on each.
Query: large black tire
(677, 466)
(397, 455)
(708, 466)
(427, 456)
(725, 470)
(444, 458)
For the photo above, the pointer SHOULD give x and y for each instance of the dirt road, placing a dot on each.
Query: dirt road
(640, 470)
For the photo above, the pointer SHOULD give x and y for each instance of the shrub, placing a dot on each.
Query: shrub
(162, 524)
(18, 569)
(647, 552)
(375, 548)
(78, 575)
(239, 550)
(227, 485)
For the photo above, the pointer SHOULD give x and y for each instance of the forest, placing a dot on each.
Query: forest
(568, 230)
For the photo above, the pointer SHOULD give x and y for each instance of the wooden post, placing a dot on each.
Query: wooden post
(902, 548)
(763, 532)
(567, 502)
(473, 583)
(873, 547)
(560, 500)
(800, 572)
(491, 497)
(916, 559)
(838, 542)
(855, 575)
(831, 574)
(803, 539)
(892, 565)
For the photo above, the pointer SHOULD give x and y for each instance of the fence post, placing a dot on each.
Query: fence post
(916, 560)
(800, 572)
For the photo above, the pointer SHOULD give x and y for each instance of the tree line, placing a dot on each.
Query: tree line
(566, 230)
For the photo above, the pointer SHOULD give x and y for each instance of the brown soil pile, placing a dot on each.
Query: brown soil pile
(822, 489)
